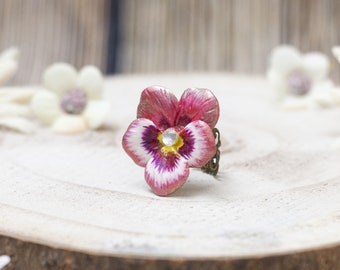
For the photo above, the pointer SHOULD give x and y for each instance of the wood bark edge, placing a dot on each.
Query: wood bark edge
(28, 255)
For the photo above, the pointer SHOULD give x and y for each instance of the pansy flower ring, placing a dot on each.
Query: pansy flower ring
(170, 136)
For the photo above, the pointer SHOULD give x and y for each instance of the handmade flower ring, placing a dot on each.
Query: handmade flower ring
(170, 136)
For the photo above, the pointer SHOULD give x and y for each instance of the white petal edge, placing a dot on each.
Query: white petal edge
(60, 77)
(17, 95)
(12, 53)
(17, 123)
(7, 70)
(277, 82)
(316, 65)
(12, 109)
(285, 59)
(204, 144)
(322, 94)
(336, 95)
(46, 106)
(336, 52)
(96, 113)
(68, 124)
(133, 143)
(4, 260)
(167, 181)
(91, 81)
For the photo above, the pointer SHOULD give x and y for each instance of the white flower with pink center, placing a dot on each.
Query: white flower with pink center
(301, 80)
(170, 136)
(71, 102)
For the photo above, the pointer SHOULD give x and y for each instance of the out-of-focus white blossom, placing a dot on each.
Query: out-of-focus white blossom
(301, 80)
(71, 102)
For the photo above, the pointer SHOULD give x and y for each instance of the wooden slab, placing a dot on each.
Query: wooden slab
(80, 200)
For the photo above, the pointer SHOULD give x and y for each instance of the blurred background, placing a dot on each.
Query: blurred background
(143, 36)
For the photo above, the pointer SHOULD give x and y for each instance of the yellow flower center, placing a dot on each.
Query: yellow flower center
(170, 141)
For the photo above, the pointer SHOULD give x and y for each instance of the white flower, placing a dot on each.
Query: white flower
(300, 79)
(8, 64)
(71, 102)
(4, 260)
(14, 116)
(13, 102)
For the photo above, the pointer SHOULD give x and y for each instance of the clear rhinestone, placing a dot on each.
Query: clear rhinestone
(169, 137)
(74, 101)
(299, 83)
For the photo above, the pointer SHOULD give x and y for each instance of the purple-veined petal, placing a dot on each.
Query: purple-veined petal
(198, 104)
(199, 144)
(158, 105)
(166, 173)
(140, 141)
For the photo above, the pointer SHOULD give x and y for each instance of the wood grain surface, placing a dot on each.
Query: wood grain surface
(71, 201)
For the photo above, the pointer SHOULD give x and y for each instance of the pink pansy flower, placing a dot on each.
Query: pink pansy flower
(170, 136)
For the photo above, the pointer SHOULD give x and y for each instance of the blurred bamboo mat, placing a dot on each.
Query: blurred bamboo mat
(130, 36)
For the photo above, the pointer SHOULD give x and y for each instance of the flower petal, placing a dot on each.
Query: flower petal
(199, 144)
(140, 141)
(17, 123)
(4, 260)
(22, 96)
(198, 104)
(316, 65)
(90, 79)
(12, 109)
(322, 93)
(166, 173)
(336, 52)
(8, 64)
(11, 53)
(336, 95)
(95, 113)
(285, 59)
(68, 124)
(7, 69)
(277, 82)
(158, 105)
(45, 105)
(60, 77)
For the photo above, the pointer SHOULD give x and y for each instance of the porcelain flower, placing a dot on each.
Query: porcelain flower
(14, 111)
(4, 260)
(300, 79)
(71, 102)
(8, 64)
(170, 136)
